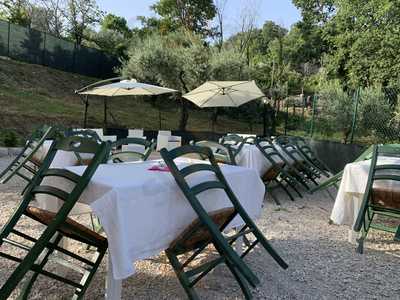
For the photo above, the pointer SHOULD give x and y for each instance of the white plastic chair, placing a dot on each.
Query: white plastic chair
(137, 133)
(162, 139)
(174, 142)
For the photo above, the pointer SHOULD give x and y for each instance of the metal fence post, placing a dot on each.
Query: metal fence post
(356, 99)
(314, 105)
(286, 116)
(8, 39)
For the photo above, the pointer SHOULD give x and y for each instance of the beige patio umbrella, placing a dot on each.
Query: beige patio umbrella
(224, 93)
(122, 87)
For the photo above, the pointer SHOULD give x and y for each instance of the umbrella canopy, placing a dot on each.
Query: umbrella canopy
(224, 93)
(129, 87)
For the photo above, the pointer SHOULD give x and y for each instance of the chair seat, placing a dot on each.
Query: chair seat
(196, 233)
(387, 198)
(272, 172)
(70, 228)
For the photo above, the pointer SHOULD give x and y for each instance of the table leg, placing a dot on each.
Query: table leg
(352, 235)
(113, 286)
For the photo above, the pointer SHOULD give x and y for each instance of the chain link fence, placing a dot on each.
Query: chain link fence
(361, 116)
(36, 47)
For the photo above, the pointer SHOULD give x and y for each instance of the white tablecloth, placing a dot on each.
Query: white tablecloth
(142, 211)
(352, 189)
(251, 157)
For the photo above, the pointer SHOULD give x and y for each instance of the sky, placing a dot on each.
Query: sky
(282, 12)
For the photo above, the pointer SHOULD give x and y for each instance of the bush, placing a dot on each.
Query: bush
(10, 139)
(336, 109)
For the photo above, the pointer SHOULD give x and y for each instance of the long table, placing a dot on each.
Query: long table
(142, 211)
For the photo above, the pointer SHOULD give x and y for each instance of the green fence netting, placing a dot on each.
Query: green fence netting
(33, 46)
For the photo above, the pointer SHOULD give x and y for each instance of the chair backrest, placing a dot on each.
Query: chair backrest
(38, 185)
(27, 154)
(135, 132)
(377, 176)
(109, 138)
(233, 139)
(130, 155)
(164, 132)
(99, 131)
(86, 133)
(212, 166)
(221, 153)
(269, 151)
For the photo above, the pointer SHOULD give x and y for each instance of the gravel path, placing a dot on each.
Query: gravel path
(322, 264)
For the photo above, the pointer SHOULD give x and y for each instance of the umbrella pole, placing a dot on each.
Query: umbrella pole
(159, 118)
(105, 113)
(86, 110)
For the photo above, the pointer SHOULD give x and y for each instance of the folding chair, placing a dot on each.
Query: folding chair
(132, 155)
(306, 151)
(57, 225)
(276, 173)
(208, 228)
(232, 139)
(26, 164)
(305, 173)
(222, 154)
(380, 199)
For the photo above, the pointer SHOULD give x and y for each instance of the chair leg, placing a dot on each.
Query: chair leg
(88, 276)
(183, 279)
(397, 235)
(295, 189)
(277, 202)
(29, 283)
(285, 189)
(240, 279)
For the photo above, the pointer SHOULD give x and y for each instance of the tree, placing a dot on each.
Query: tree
(48, 16)
(80, 15)
(192, 15)
(364, 44)
(315, 11)
(116, 24)
(177, 60)
(219, 9)
(16, 11)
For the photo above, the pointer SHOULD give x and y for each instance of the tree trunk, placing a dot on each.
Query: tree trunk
(184, 109)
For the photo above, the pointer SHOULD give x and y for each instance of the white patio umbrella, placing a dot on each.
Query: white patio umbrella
(127, 87)
(224, 93)
(122, 87)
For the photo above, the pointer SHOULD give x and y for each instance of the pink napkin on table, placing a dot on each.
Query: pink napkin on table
(159, 168)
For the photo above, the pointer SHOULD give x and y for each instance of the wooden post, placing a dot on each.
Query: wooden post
(314, 105)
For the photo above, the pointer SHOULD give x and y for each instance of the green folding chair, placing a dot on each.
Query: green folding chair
(308, 154)
(232, 139)
(305, 172)
(278, 170)
(380, 200)
(209, 227)
(57, 224)
(222, 154)
(126, 156)
(26, 164)
(86, 133)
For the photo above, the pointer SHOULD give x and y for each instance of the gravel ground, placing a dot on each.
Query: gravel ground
(322, 264)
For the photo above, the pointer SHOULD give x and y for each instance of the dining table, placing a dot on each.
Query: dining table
(352, 189)
(142, 210)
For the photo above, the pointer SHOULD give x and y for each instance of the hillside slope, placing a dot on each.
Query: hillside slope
(31, 95)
